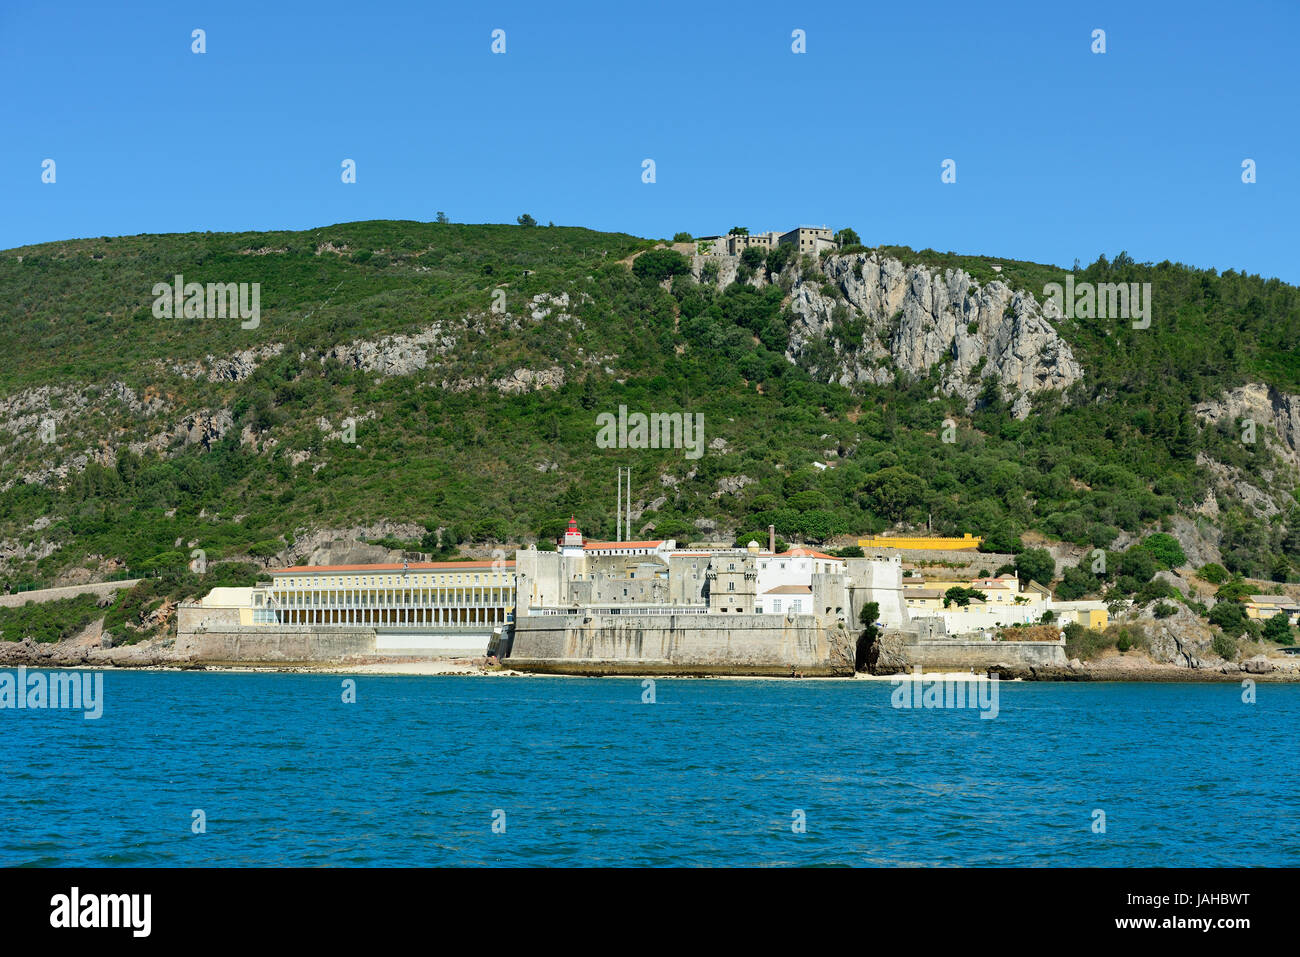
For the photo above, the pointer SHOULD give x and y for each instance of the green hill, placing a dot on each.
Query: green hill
(480, 426)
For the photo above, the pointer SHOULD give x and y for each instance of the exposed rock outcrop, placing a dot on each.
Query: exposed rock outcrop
(917, 317)
(530, 380)
(913, 318)
(1263, 414)
(395, 355)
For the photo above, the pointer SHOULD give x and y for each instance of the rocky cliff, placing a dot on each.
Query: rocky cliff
(882, 317)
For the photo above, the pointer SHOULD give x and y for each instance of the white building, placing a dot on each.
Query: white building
(785, 578)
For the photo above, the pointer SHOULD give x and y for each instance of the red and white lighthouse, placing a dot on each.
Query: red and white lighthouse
(572, 538)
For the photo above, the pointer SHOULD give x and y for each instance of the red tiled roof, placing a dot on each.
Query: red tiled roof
(802, 552)
(409, 566)
(789, 590)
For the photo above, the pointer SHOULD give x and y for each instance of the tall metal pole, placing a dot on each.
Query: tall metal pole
(628, 528)
(618, 509)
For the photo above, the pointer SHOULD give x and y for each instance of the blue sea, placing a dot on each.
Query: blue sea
(563, 771)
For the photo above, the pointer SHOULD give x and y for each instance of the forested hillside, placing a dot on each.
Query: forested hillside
(382, 390)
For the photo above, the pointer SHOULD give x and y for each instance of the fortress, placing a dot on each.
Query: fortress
(622, 607)
(804, 239)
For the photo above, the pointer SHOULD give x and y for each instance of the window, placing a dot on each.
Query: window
(796, 605)
(731, 586)
(776, 604)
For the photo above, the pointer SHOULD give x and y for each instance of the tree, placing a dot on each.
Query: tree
(1165, 549)
(1076, 583)
(1278, 629)
(1234, 590)
(867, 617)
(1137, 563)
(1035, 564)
(526, 220)
(962, 596)
(738, 231)
(660, 264)
(681, 237)
(893, 492)
(753, 257)
(1230, 616)
(847, 237)
(442, 217)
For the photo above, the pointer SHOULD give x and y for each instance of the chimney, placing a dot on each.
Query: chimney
(771, 539)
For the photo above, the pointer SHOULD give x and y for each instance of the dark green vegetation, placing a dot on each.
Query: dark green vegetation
(50, 621)
(962, 596)
(478, 466)
(129, 616)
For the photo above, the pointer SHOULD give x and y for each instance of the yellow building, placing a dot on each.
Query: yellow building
(1264, 607)
(921, 542)
(1088, 613)
(918, 598)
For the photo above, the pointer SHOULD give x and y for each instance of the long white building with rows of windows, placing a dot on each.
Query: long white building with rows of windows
(411, 594)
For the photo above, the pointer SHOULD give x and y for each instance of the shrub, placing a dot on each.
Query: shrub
(48, 621)
(1075, 584)
(1230, 616)
(1153, 590)
(1036, 564)
(1214, 573)
(1224, 646)
(1164, 610)
(1136, 563)
(1165, 549)
(660, 264)
(1083, 643)
(1279, 629)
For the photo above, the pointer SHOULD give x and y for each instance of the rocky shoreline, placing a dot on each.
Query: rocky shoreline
(158, 655)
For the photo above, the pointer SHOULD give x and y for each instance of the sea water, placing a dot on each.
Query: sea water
(241, 769)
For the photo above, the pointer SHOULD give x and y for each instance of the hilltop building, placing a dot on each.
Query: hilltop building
(922, 542)
(805, 239)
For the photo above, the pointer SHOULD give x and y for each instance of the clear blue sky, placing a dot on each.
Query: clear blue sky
(1060, 152)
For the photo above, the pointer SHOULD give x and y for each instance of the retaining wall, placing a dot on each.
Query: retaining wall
(98, 589)
(957, 655)
(215, 635)
(677, 644)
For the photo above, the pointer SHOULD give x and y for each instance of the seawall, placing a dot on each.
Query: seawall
(904, 652)
(215, 636)
(709, 644)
